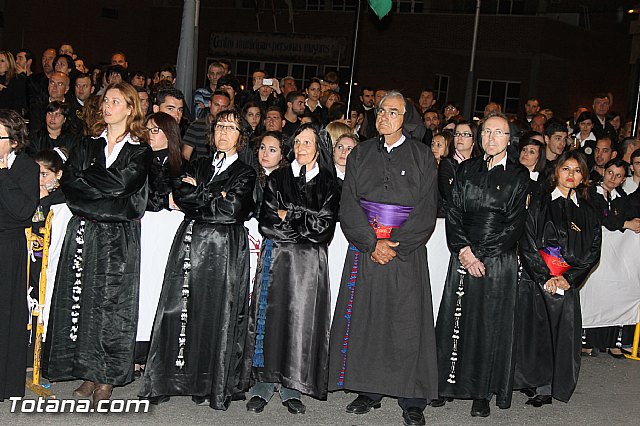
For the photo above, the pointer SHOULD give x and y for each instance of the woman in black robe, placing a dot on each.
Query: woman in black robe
(18, 200)
(200, 327)
(612, 206)
(94, 308)
(56, 130)
(166, 167)
(289, 317)
(560, 246)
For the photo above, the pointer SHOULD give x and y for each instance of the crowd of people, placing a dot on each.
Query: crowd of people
(525, 200)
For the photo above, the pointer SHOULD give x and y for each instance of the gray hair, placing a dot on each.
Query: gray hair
(394, 94)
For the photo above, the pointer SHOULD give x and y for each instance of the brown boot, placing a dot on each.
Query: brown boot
(85, 390)
(102, 392)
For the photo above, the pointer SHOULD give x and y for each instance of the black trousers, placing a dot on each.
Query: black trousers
(404, 403)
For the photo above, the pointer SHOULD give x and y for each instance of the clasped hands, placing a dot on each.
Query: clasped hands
(471, 263)
(555, 283)
(384, 252)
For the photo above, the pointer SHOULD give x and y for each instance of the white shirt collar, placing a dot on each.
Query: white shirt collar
(10, 159)
(502, 162)
(109, 159)
(222, 165)
(400, 142)
(534, 175)
(318, 105)
(557, 194)
(614, 194)
(81, 102)
(295, 167)
(339, 173)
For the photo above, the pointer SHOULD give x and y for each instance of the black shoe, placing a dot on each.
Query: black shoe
(480, 408)
(440, 402)
(616, 356)
(530, 392)
(539, 400)
(594, 352)
(200, 400)
(413, 416)
(155, 400)
(295, 406)
(256, 404)
(362, 404)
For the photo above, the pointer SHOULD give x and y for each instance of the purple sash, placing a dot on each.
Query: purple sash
(385, 217)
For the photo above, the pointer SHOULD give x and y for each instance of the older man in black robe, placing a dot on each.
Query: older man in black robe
(476, 318)
(382, 337)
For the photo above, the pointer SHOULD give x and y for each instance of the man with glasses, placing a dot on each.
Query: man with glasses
(382, 336)
(475, 324)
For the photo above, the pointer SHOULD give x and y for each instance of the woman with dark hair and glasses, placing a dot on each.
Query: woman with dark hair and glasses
(288, 337)
(560, 246)
(56, 131)
(18, 200)
(201, 322)
(166, 167)
(165, 141)
(464, 147)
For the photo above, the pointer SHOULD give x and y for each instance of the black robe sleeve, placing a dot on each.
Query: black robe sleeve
(206, 200)
(532, 260)
(19, 193)
(446, 176)
(419, 226)
(353, 221)
(113, 194)
(303, 222)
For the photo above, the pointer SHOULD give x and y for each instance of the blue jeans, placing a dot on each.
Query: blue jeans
(265, 390)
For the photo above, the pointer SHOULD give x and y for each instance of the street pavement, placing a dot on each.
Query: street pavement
(607, 393)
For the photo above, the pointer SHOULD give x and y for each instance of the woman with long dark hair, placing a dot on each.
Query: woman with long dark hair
(167, 165)
(92, 326)
(560, 246)
(18, 201)
(201, 322)
(289, 315)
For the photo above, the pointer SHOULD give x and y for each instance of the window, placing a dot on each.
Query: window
(506, 93)
(314, 5)
(441, 88)
(409, 6)
(344, 5)
(510, 7)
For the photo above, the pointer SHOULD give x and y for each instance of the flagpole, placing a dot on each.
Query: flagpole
(353, 55)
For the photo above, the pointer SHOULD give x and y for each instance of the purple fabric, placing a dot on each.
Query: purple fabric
(385, 214)
(555, 252)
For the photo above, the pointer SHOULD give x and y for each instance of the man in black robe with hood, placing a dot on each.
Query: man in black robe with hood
(382, 336)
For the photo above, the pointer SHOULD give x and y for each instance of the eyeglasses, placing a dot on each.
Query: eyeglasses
(462, 134)
(5, 137)
(154, 130)
(391, 113)
(497, 133)
(223, 128)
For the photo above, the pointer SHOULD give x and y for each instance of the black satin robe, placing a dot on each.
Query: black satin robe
(388, 321)
(487, 213)
(161, 183)
(549, 327)
(19, 192)
(110, 201)
(218, 283)
(446, 177)
(295, 293)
